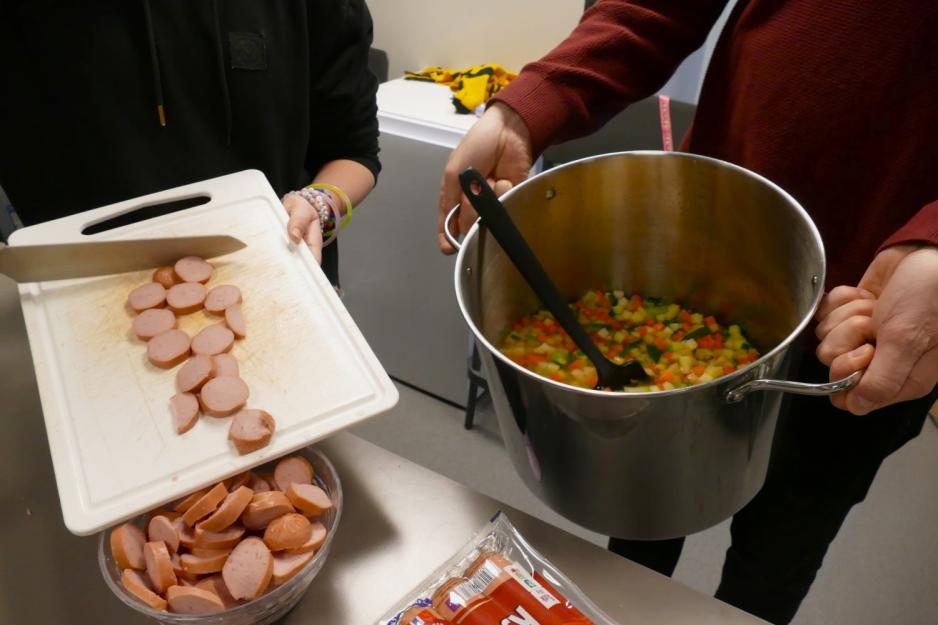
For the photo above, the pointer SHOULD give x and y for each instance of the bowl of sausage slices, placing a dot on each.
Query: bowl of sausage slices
(240, 552)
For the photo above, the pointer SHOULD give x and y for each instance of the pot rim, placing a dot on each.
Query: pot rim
(778, 349)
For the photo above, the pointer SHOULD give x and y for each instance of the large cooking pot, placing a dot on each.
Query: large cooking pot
(708, 234)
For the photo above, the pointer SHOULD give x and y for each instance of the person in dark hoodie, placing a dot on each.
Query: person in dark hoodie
(112, 99)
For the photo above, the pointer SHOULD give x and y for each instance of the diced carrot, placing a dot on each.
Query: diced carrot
(666, 376)
(659, 326)
(728, 370)
(698, 370)
(643, 330)
(710, 320)
(559, 377)
(661, 344)
(536, 358)
(669, 356)
(684, 316)
(650, 323)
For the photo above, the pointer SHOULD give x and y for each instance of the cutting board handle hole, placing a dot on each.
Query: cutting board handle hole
(143, 213)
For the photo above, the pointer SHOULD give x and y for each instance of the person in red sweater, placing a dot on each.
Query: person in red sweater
(837, 102)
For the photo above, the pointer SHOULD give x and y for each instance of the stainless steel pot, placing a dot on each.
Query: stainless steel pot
(692, 229)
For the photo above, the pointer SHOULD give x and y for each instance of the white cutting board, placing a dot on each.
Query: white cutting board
(106, 409)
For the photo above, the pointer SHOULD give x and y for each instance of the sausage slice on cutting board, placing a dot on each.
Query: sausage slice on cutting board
(222, 297)
(154, 321)
(250, 430)
(223, 396)
(150, 295)
(196, 372)
(166, 276)
(168, 349)
(226, 364)
(186, 297)
(234, 318)
(193, 269)
(212, 340)
(185, 409)
(248, 569)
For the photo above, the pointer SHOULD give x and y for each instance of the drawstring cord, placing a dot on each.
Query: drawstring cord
(226, 94)
(154, 65)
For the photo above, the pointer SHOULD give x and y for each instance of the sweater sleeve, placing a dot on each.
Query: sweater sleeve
(621, 51)
(922, 228)
(344, 110)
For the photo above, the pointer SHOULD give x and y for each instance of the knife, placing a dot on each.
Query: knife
(62, 261)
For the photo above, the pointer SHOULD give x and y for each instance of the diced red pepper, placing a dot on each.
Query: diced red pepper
(710, 320)
(661, 344)
(728, 370)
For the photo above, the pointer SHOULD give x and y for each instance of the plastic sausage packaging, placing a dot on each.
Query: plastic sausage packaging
(497, 579)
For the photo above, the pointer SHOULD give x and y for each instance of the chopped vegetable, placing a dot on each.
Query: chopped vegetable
(677, 347)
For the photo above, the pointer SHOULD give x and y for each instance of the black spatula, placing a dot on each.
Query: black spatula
(496, 219)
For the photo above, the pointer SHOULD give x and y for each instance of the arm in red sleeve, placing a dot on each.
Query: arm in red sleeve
(622, 51)
(923, 228)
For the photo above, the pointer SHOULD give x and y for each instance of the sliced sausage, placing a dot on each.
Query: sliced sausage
(221, 298)
(248, 569)
(234, 318)
(241, 479)
(166, 276)
(196, 372)
(295, 469)
(223, 396)
(250, 430)
(169, 514)
(188, 500)
(215, 339)
(288, 564)
(317, 537)
(204, 564)
(150, 295)
(193, 600)
(226, 364)
(287, 532)
(260, 485)
(216, 584)
(185, 408)
(205, 552)
(229, 510)
(264, 508)
(185, 533)
(182, 576)
(193, 269)
(127, 547)
(160, 528)
(137, 585)
(206, 504)
(186, 297)
(225, 539)
(168, 349)
(159, 566)
(309, 499)
(154, 321)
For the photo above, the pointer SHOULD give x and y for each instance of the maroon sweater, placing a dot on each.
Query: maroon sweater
(834, 100)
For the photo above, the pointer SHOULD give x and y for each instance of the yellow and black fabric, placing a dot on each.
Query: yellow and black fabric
(471, 86)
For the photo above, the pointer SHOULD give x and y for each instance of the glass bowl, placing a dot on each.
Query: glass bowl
(266, 608)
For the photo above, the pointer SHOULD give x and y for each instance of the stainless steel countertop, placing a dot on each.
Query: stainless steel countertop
(401, 521)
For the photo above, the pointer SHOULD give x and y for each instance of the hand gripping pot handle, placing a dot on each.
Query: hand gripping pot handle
(446, 229)
(739, 393)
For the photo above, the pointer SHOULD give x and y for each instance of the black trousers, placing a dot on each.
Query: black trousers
(822, 464)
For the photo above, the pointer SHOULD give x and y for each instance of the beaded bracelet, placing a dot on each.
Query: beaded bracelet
(324, 210)
(331, 188)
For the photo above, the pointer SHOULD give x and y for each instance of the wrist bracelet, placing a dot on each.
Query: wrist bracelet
(326, 188)
(323, 209)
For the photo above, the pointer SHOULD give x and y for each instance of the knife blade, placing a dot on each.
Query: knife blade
(62, 261)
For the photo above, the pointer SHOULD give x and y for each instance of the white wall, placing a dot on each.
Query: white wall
(451, 33)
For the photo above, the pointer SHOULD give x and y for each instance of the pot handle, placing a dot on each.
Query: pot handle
(447, 232)
(739, 393)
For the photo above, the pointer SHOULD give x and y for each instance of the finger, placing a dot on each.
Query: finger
(314, 242)
(862, 307)
(887, 374)
(444, 243)
(300, 221)
(502, 187)
(838, 296)
(846, 364)
(847, 336)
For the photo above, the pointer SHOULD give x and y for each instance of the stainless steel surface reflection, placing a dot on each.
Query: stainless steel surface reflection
(702, 232)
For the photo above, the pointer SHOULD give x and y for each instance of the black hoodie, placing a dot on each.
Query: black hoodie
(282, 86)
